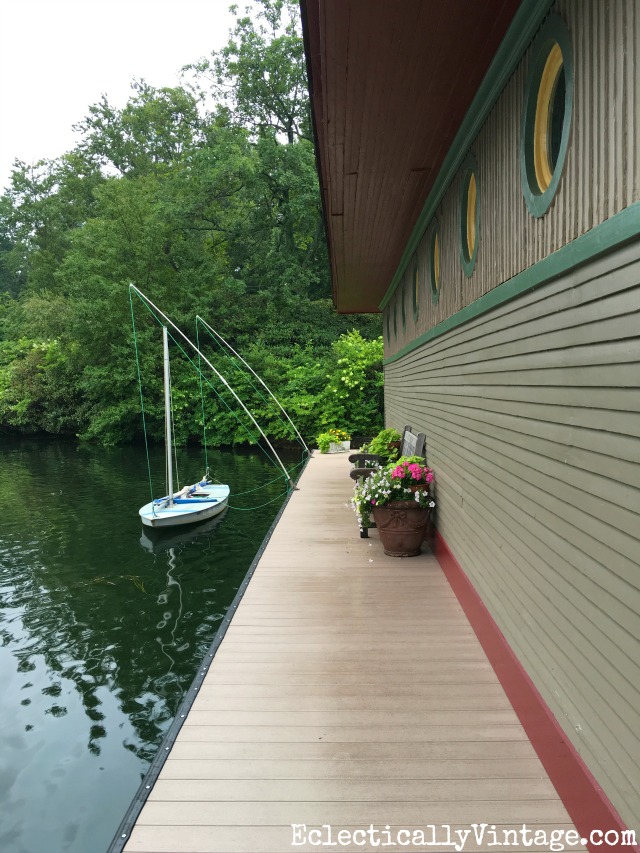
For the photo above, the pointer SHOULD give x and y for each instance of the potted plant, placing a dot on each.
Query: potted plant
(400, 498)
(386, 444)
(333, 441)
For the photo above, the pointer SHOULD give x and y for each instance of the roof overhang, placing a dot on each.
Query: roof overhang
(390, 84)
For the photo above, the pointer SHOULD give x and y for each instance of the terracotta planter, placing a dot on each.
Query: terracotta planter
(401, 526)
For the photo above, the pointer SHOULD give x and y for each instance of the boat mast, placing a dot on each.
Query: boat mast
(167, 411)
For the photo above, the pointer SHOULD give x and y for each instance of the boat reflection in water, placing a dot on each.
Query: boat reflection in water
(159, 540)
(172, 541)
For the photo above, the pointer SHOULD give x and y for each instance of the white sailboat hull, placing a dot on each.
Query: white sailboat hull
(207, 501)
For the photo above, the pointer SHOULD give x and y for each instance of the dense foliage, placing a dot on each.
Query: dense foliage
(206, 197)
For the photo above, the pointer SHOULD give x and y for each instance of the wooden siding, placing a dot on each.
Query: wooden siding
(532, 417)
(601, 173)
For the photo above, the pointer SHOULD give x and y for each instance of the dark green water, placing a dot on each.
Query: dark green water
(101, 634)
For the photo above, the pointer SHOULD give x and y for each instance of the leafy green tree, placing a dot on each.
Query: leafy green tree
(156, 128)
(260, 74)
(208, 209)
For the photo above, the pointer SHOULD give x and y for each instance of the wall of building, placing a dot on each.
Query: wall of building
(601, 174)
(532, 407)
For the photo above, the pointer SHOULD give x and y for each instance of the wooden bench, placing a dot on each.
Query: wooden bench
(412, 444)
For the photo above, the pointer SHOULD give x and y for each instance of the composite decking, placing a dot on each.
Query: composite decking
(349, 690)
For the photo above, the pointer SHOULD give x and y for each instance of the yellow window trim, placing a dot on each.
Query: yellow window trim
(541, 158)
(471, 216)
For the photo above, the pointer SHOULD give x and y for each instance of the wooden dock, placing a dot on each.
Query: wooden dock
(349, 690)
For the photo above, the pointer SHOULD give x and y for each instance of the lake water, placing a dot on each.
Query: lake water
(101, 628)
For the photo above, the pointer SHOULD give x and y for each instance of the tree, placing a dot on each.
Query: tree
(211, 211)
(260, 74)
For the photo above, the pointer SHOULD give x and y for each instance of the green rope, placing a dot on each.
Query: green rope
(264, 485)
(144, 420)
(253, 508)
(204, 421)
(173, 429)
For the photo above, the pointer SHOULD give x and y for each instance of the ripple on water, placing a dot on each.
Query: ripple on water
(101, 631)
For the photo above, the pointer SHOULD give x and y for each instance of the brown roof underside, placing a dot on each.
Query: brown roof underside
(391, 81)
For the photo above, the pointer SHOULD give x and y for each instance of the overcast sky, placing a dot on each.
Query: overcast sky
(58, 56)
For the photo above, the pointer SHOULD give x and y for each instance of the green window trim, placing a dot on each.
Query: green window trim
(416, 292)
(469, 219)
(542, 158)
(403, 309)
(435, 262)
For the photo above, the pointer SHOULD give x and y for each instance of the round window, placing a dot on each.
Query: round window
(469, 218)
(547, 115)
(395, 319)
(416, 292)
(434, 258)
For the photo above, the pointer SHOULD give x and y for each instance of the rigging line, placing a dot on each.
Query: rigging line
(223, 401)
(264, 485)
(243, 373)
(262, 382)
(253, 508)
(173, 427)
(252, 436)
(222, 379)
(204, 422)
(144, 420)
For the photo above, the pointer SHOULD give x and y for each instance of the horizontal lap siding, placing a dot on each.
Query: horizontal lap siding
(532, 417)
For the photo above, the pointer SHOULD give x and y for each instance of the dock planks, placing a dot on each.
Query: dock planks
(349, 690)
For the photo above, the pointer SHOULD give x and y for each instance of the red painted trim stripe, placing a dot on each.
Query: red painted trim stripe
(588, 806)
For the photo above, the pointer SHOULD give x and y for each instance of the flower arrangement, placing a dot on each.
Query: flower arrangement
(409, 479)
(338, 435)
(331, 436)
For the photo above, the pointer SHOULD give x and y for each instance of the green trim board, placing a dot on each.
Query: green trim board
(403, 307)
(608, 235)
(518, 38)
(435, 261)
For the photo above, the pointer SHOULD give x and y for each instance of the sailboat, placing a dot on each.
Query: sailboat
(193, 503)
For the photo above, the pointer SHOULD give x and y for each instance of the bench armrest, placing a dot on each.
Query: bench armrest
(361, 458)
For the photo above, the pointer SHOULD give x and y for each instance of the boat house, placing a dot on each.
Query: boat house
(480, 173)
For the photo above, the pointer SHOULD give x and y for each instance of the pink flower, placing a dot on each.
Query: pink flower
(429, 477)
(373, 500)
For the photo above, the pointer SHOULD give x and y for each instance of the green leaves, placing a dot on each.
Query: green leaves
(211, 209)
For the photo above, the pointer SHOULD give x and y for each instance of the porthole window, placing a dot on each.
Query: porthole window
(395, 319)
(388, 326)
(415, 290)
(469, 217)
(434, 262)
(546, 119)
